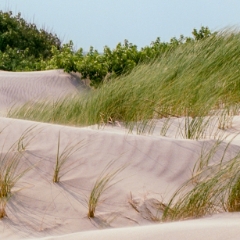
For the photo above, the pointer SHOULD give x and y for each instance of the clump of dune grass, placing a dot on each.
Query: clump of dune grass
(207, 155)
(216, 189)
(103, 183)
(165, 126)
(11, 170)
(226, 115)
(194, 128)
(193, 81)
(63, 156)
(25, 138)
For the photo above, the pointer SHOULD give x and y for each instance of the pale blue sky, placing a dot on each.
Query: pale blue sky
(107, 22)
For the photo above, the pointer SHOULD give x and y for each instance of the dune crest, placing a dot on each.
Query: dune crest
(17, 88)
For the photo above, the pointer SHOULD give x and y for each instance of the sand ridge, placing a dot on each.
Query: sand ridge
(17, 88)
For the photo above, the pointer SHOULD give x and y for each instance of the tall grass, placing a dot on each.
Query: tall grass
(214, 187)
(192, 81)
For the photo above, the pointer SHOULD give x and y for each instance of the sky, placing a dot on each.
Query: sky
(100, 23)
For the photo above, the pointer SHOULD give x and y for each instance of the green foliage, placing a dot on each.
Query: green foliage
(17, 60)
(122, 59)
(64, 58)
(93, 66)
(153, 51)
(22, 44)
(23, 47)
(15, 32)
(204, 32)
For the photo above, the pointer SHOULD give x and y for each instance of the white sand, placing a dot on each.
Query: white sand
(17, 88)
(156, 167)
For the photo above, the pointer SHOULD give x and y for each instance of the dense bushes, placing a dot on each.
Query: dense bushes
(23, 47)
(111, 63)
(22, 44)
(16, 33)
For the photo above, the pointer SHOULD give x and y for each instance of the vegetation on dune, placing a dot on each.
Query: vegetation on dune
(24, 47)
(10, 173)
(213, 188)
(196, 79)
(103, 183)
(13, 168)
(62, 157)
(113, 63)
(22, 44)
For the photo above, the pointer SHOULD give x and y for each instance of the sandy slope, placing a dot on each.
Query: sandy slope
(21, 87)
(155, 167)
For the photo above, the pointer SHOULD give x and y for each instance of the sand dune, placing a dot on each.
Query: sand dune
(155, 167)
(21, 87)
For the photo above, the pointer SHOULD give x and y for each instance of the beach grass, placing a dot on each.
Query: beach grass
(11, 171)
(26, 137)
(195, 80)
(213, 188)
(63, 156)
(104, 181)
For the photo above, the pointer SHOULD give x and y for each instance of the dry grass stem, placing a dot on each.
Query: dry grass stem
(63, 156)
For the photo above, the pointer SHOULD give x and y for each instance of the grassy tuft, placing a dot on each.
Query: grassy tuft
(10, 172)
(25, 138)
(103, 182)
(214, 187)
(63, 156)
